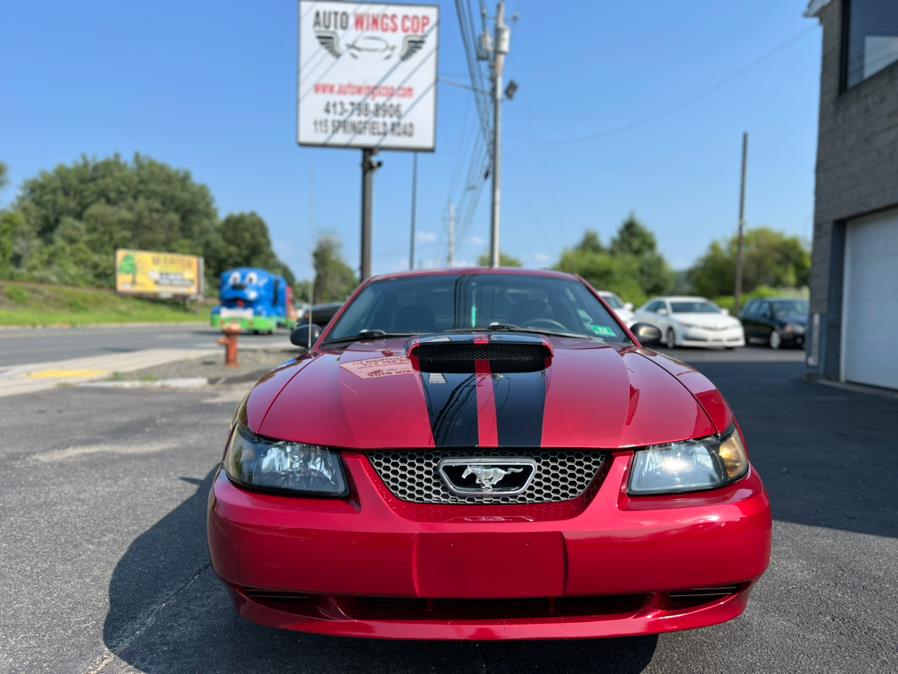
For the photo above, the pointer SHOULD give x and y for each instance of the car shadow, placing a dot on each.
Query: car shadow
(826, 453)
(168, 612)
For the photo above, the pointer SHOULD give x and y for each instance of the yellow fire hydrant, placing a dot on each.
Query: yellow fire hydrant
(229, 342)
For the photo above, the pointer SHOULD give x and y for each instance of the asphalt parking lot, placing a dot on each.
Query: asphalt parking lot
(105, 568)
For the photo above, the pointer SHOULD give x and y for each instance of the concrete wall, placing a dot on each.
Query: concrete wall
(857, 173)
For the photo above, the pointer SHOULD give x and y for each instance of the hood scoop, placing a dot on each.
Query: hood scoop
(460, 355)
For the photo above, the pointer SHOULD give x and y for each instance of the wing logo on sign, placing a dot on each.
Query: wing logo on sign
(411, 45)
(330, 41)
(369, 44)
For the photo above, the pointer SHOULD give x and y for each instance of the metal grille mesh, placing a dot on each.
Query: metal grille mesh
(561, 475)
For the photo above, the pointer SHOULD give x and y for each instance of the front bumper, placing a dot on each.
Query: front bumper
(712, 338)
(603, 565)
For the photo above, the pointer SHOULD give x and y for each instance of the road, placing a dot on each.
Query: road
(105, 567)
(18, 347)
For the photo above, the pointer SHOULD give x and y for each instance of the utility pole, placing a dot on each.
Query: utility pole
(411, 249)
(369, 166)
(739, 261)
(500, 49)
(451, 223)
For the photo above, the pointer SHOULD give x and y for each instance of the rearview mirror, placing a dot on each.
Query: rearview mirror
(647, 334)
(305, 335)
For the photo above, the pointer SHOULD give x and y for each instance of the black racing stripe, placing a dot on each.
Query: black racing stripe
(452, 406)
(520, 404)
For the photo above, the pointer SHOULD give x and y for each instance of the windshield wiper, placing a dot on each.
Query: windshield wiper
(369, 334)
(510, 327)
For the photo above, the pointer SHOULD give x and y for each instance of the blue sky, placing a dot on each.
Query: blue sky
(210, 87)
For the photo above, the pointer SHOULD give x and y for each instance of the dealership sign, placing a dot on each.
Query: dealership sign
(367, 75)
(152, 274)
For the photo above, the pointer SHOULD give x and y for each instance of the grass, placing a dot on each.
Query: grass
(37, 304)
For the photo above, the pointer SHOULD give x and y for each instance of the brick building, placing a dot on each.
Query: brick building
(853, 328)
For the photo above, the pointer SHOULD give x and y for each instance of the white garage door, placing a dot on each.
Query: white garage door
(870, 309)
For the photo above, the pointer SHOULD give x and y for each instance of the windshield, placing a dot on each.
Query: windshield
(433, 304)
(790, 308)
(613, 301)
(694, 307)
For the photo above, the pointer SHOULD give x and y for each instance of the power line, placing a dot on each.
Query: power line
(704, 93)
(462, 10)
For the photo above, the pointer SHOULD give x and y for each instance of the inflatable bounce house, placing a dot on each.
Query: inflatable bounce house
(255, 299)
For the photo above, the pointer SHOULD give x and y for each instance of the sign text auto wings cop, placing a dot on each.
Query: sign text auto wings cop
(367, 75)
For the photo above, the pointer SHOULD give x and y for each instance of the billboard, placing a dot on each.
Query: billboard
(144, 272)
(367, 75)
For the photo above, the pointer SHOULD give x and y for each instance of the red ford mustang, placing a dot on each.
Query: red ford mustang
(486, 454)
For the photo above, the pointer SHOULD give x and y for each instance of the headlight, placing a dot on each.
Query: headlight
(692, 465)
(794, 329)
(686, 325)
(310, 470)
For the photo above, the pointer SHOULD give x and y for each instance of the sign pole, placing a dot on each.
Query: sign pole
(369, 166)
(739, 261)
(411, 250)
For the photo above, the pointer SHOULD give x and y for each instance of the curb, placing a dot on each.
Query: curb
(70, 326)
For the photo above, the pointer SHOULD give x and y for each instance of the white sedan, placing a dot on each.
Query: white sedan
(691, 321)
(623, 311)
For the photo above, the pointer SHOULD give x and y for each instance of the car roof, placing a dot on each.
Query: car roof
(475, 271)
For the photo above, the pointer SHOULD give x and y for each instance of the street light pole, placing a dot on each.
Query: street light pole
(739, 261)
(500, 49)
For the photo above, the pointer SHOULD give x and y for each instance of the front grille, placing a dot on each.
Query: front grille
(455, 358)
(561, 475)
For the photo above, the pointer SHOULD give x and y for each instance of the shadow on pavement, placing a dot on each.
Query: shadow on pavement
(169, 613)
(827, 454)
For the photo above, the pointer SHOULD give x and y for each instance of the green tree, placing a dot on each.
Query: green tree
(244, 242)
(71, 219)
(590, 243)
(771, 258)
(504, 260)
(18, 241)
(636, 240)
(631, 266)
(4, 177)
(603, 270)
(334, 279)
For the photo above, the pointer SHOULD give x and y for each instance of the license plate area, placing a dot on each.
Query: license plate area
(489, 565)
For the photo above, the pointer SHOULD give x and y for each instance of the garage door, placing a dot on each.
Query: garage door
(870, 309)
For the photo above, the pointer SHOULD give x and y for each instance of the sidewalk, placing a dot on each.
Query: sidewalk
(28, 378)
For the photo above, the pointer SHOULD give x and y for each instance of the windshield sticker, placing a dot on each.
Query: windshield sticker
(376, 368)
(603, 330)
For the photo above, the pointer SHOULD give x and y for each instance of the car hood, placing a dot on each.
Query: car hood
(380, 394)
(707, 320)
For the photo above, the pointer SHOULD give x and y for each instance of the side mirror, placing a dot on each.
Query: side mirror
(725, 312)
(305, 335)
(628, 306)
(662, 311)
(648, 335)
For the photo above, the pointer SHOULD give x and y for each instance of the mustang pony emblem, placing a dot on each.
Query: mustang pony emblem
(489, 476)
